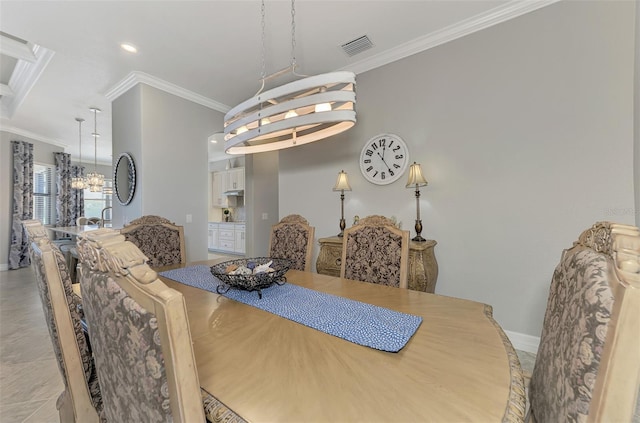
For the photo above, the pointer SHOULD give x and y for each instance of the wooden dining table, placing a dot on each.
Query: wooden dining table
(459, 366)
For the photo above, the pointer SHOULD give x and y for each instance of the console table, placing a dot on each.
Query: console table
(423, 268)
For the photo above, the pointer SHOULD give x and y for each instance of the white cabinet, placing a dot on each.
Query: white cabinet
(213, 236)
(218, 199)
(240, 231)
(227, 237)
(234, 179)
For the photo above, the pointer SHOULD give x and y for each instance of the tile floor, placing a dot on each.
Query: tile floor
(30, 381)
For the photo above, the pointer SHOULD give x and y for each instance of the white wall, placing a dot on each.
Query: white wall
(525, 134)
(167, 136)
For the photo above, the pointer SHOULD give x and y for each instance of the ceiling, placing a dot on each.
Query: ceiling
(58, 58)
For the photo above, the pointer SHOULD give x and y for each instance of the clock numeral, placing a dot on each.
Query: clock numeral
(391, 172)
(383, 175)
(399, 156)
(369, 153)
(374, 145)
(391, 143)
(383, 141)
(397, 148)
(396, 165)
(367, 160)
(375, 174)
(370, 168)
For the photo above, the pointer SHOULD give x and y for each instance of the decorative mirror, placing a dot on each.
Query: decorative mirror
(124, 178)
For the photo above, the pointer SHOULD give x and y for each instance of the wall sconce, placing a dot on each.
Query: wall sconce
(342, 185)
(416, 179)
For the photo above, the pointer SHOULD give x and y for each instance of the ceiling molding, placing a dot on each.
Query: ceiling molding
(31, 135)
(468, 26)
(16, 49)
(136, 77)
(23, 78)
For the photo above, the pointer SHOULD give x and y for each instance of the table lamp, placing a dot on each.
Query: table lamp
(416, 179)
(342, 185)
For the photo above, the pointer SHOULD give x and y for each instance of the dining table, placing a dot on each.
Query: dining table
(72, 231)
(458, 366)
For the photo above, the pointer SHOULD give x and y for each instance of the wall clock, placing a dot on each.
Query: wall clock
(383, 159)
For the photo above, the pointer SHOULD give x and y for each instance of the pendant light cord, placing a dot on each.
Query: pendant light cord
(95, 140)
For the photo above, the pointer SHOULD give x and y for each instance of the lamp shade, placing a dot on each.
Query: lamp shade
(296, 113)
(342, 184)
(415, 176)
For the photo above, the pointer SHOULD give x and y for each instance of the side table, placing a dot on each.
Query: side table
(423, 267)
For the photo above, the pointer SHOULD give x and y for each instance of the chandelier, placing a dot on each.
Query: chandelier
(78, 181)
(300, 112)
(95, 180)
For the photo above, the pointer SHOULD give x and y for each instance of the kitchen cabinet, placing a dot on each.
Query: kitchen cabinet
(234, 179)
(218, 199)
(227, 237)
(213, 236)
(240, 236)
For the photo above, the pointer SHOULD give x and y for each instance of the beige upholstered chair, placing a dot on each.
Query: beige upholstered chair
(159, 239)
(140, 337)
(375, 250)
(81, 400)
(588, 364)
(292, 238)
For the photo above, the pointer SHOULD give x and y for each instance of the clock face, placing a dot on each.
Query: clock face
(383, 159)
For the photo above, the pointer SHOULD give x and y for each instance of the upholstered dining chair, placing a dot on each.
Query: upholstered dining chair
(375, 250)
(159, 239)
(587, 367)
(81, 400)
(292, 238)
(140, 337)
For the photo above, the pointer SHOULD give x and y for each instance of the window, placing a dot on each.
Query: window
(43, 196)
(94, 202)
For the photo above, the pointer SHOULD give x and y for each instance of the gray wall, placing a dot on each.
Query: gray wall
(525, 134)
(261, 199)
(167, 137)
(42, 153)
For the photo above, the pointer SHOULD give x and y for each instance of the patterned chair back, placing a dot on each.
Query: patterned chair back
(81, 400)
(140, 334)
(292, 238)
(375, 250)
(158, 238)
(588, 364)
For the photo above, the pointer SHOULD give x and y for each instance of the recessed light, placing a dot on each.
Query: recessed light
(129, 47)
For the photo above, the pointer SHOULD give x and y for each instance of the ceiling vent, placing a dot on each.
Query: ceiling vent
(358, 45)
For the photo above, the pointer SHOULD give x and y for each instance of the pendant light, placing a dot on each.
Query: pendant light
(95, 180)
(78, 182)
(300, 112)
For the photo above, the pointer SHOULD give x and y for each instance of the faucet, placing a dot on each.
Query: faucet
(102, 216)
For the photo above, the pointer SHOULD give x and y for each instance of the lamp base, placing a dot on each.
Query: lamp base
(341, 234)
(418, 238)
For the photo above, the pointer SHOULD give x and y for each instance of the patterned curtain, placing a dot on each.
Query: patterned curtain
(22, 203)
(77, 195)
(65, 203)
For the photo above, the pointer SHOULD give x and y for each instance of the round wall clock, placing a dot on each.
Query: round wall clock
(383, 159)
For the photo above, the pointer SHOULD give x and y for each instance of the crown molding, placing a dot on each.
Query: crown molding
(16, 49)
(23, 78)
(4, 127)
(136, 77)
(505, 12)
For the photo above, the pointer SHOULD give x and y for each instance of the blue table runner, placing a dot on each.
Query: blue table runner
(354, 321)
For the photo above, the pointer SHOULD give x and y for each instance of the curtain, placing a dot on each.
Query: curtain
(64, 194)
(77, 195)
(22, 203)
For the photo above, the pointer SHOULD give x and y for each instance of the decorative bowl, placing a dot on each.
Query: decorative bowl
(252, 282)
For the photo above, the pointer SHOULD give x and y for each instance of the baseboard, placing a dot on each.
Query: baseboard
(4, 266)
(523, 342)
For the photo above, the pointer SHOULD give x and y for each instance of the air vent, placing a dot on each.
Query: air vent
(358, 45)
